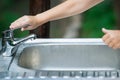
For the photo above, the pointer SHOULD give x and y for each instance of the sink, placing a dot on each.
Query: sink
(67, 55)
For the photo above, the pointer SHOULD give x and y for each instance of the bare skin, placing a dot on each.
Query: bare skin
(66, 9)
(112, 38)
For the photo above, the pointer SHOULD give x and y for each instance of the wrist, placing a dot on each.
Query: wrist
(41, 19)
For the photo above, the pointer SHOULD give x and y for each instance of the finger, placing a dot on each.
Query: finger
(108, 41)
(119, 46)
(105, 37)
(19, 23)
(11, 26)
(24, 18)
(14, 25)
(23, 29)
(105, 30)
(111, 44)
(116, 46)
(26, 28)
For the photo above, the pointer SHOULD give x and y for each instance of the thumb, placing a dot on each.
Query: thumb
(105, 30)
(22, 29)
(25, 28)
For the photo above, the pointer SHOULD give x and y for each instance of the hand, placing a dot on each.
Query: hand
(112, 38)
(26, 23)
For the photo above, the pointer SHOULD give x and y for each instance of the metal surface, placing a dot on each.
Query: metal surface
(9, 44)
(60, 75)
(80, 54)
(4, 62)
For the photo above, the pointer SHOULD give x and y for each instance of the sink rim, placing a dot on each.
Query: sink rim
(37, 42)
(67, 40)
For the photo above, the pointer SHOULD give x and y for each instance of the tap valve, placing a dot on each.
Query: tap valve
(9, 44)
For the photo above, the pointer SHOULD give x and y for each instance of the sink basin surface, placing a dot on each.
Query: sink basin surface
(69, 56)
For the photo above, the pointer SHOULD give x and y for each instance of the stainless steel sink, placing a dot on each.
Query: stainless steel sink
(67, 55)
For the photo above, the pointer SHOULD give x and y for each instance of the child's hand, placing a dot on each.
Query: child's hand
(112, 38)
(26, 23)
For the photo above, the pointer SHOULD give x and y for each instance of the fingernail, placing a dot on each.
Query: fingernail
(103, 28)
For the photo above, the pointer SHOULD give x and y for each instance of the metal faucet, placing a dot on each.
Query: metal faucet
(9, 44)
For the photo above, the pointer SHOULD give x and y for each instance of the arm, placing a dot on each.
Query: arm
(68, 8)
(65, 9)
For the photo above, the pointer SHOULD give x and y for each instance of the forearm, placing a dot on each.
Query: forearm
(67, 8)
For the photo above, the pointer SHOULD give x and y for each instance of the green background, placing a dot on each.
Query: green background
(93, 20)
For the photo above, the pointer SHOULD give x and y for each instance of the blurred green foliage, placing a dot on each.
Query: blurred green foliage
(93, 21)
(98, 17)
(10, 12)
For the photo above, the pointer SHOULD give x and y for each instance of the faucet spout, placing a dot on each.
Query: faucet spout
(16, 42)
(10, 45)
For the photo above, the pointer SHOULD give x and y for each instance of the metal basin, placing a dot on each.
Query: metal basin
(75, 54)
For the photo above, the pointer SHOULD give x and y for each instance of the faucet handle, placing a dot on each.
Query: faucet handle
(8, 34)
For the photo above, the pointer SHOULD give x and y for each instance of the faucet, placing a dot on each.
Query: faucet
(10, 45)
